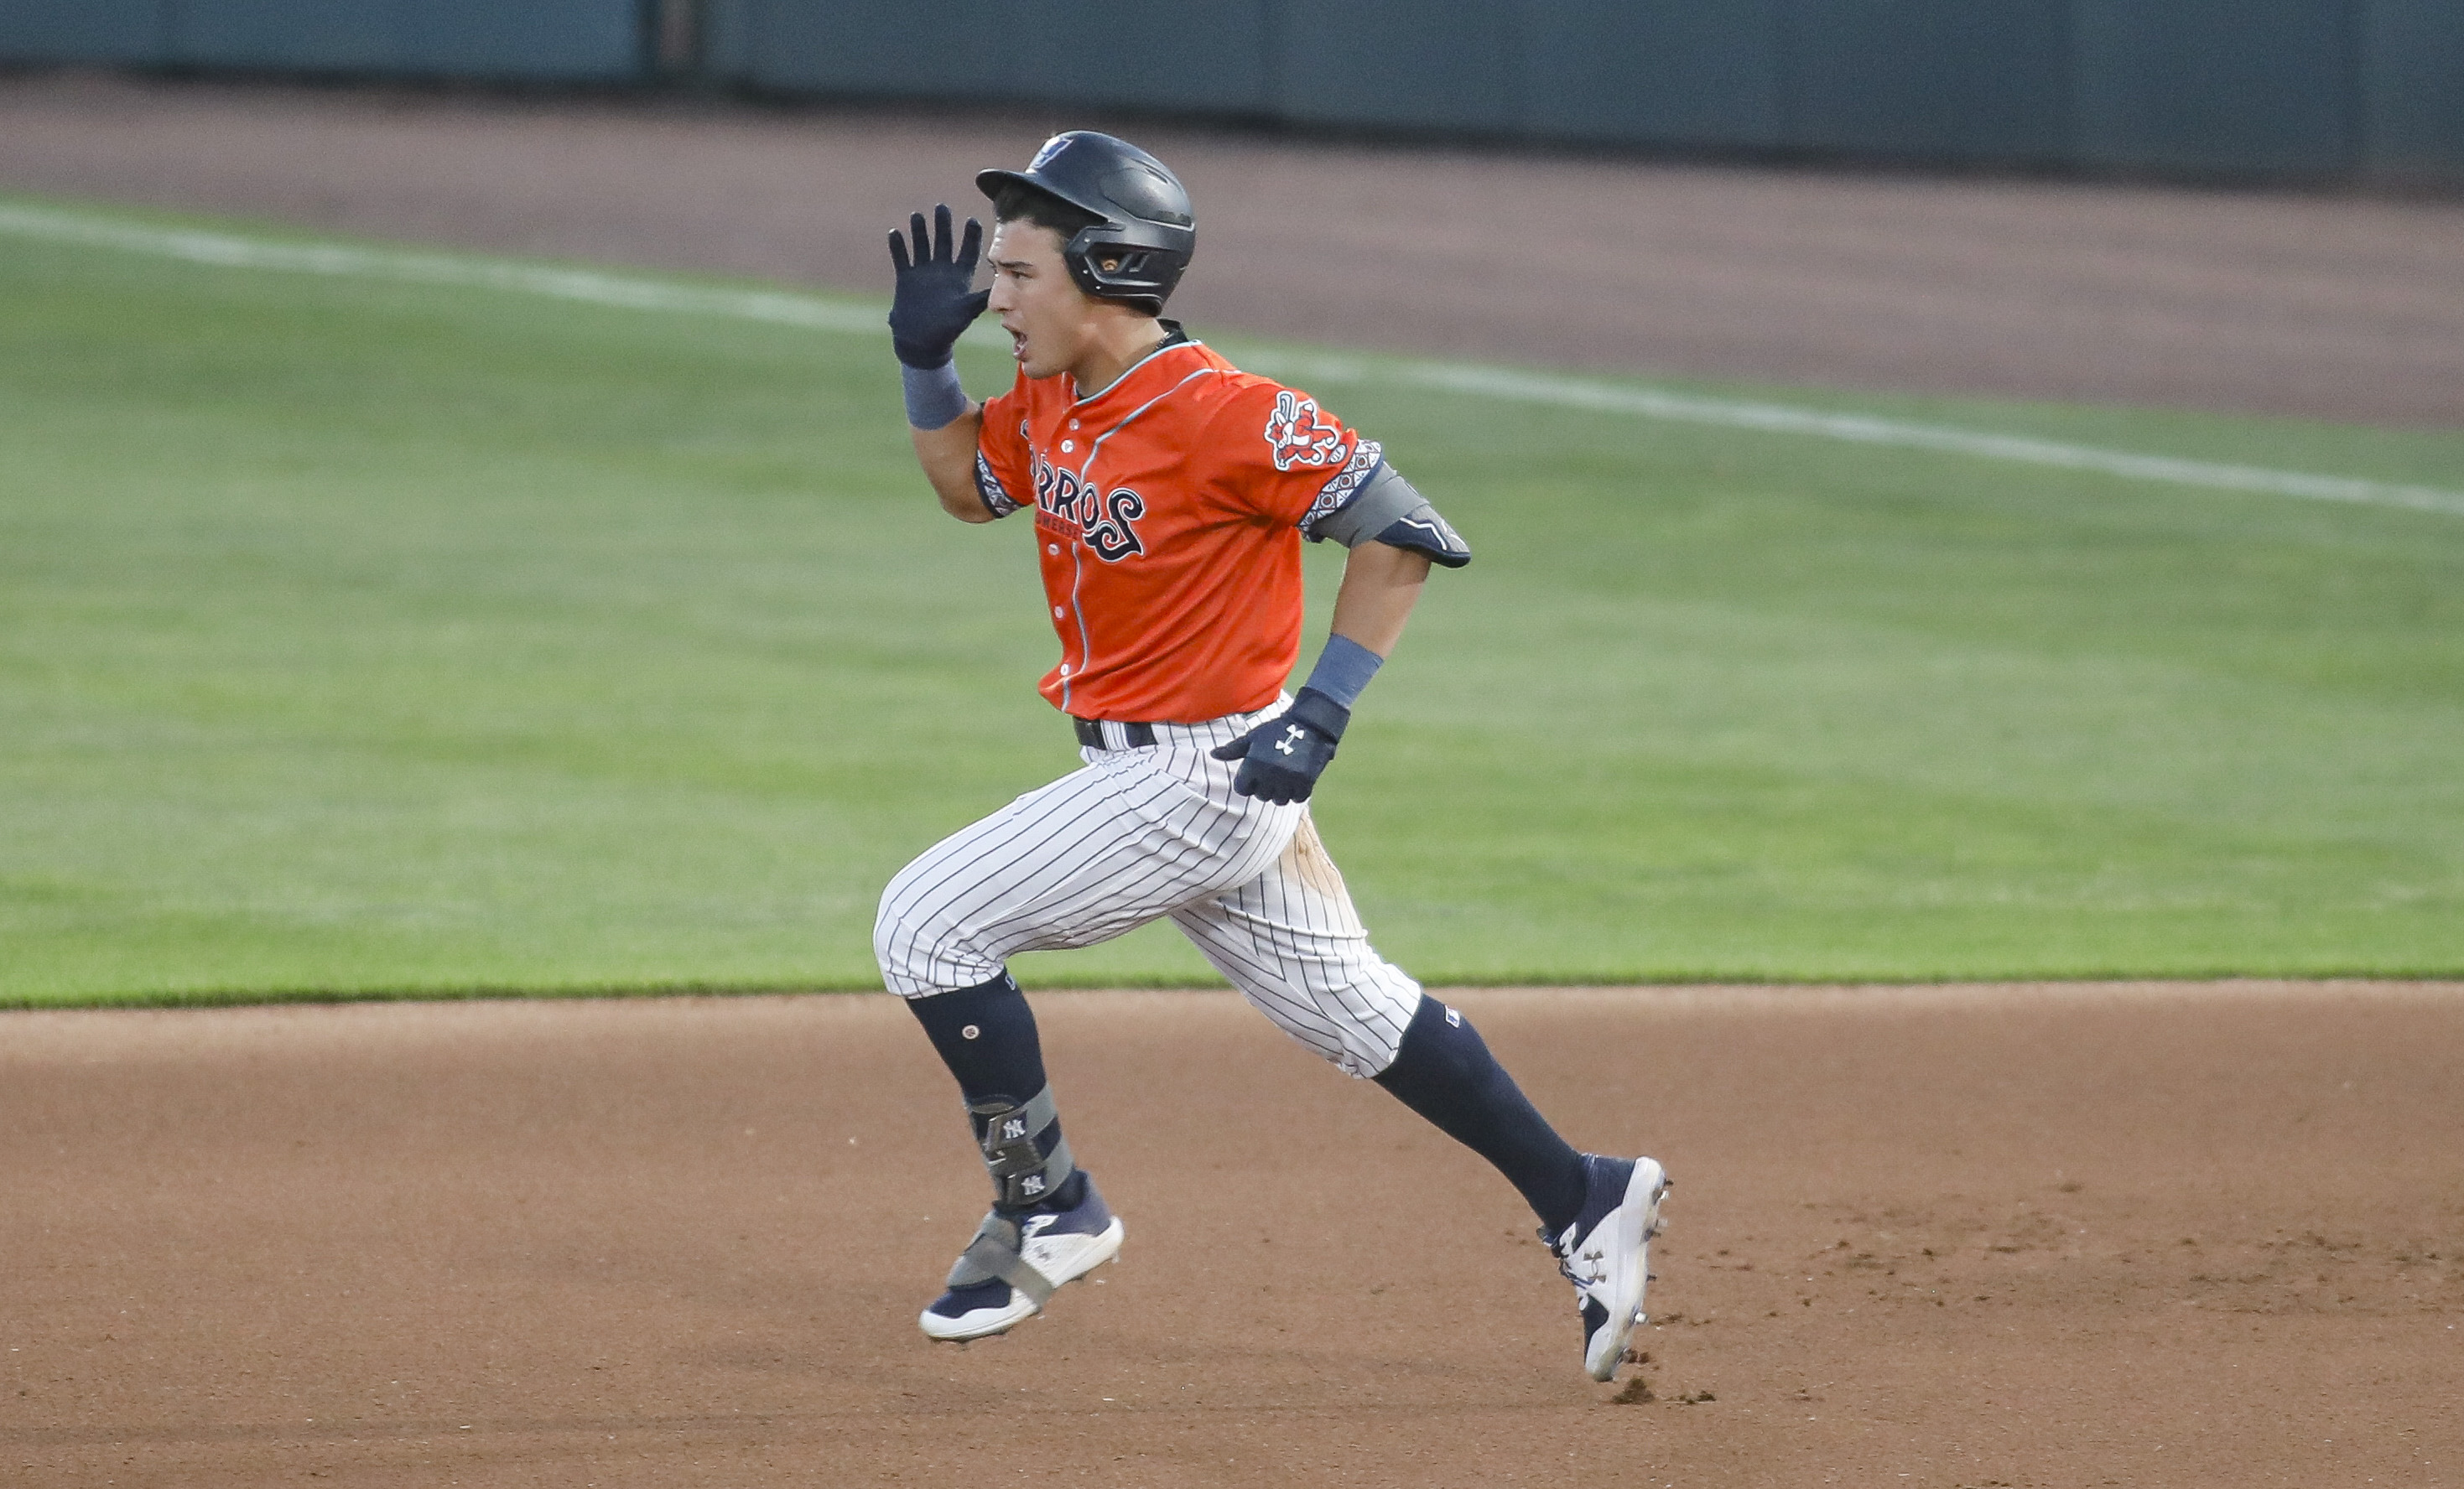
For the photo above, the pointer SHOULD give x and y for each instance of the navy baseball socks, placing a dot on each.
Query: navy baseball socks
(986, 1036)
(1597, 1215)
(1444, 1070)
(1047, 1226)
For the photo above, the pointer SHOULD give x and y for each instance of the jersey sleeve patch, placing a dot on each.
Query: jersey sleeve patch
(1346, 484)
(1299, 434)
(997, 498)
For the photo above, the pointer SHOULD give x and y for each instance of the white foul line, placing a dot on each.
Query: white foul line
(1858, 428)
(814, 313)
(226, 251)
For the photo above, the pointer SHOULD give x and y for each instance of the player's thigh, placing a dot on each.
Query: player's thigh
(1092, 856)
(1292, 943)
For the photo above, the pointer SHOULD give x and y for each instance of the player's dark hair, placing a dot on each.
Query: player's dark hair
(1015, 201)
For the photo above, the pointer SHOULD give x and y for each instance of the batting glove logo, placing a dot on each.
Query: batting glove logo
(1281, 759)
(1299, 435)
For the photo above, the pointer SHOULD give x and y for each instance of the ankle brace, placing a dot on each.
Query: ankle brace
(1024, 1150)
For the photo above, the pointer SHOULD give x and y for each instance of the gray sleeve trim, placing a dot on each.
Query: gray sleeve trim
(1422, 531)
(1389, 510)
(1380, 499)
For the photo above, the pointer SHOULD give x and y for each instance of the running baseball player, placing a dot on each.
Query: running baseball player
(1170, 492)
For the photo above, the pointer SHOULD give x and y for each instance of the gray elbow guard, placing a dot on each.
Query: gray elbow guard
(1389, 510)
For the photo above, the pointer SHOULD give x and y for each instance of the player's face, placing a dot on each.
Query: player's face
(1049, 320)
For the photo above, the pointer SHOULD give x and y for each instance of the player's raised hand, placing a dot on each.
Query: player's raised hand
(934, 301)
(1281, 759)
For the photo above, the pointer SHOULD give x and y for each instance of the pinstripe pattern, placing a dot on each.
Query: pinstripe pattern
(1134, 836)
(1292, 942)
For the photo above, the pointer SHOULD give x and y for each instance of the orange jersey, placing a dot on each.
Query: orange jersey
(1169, 513)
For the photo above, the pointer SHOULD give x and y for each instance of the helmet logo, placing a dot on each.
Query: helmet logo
(1051, 147)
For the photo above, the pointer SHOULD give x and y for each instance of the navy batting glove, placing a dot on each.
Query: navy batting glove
(1281, 759)
(932, 303)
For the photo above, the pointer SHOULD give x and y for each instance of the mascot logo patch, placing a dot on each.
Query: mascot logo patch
(1299, 435)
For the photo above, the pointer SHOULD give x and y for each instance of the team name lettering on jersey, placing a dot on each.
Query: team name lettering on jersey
(1196, 610)
(1106, 521)
(1300, 436)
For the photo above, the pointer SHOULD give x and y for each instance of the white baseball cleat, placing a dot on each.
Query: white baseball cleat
(1017, 1261)
(1606, 1252)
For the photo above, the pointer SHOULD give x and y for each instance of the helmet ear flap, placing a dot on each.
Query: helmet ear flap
(1131, 273)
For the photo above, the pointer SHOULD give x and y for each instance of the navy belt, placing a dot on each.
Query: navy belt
(1090, 734)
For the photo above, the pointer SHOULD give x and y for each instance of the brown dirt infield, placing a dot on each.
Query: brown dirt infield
(2169, 1234)
(2337, 308)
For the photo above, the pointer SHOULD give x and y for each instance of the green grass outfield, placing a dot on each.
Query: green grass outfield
(362, 636)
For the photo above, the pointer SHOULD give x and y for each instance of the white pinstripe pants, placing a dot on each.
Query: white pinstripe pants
(1137, 835)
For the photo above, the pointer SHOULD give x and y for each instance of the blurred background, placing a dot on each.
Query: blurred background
(2318, 90)
(2202, 203)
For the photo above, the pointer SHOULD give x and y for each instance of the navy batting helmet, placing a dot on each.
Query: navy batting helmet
(1146, 234)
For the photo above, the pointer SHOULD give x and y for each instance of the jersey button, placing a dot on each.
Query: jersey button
(1052, 548)
(1073, 424)
(1067, 446)
(1058, 612)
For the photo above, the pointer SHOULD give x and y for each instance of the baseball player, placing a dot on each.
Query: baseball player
(1169, 494)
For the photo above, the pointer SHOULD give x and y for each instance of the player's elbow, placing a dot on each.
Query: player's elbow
(1406, 565)
(965, 506)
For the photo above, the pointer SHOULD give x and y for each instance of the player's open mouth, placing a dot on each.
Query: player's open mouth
(1017, 345)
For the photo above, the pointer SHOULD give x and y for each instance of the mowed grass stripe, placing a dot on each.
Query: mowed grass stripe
(634, 291)
(367, 636)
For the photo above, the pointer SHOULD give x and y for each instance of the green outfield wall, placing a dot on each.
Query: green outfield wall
(492, 40)
(2302, 90)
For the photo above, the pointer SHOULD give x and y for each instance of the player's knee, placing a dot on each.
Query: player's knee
(1367, 1052)
(1357, 1029)
(921, 947)
(1359, 1053)
(896, 946)
(1381, 999)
